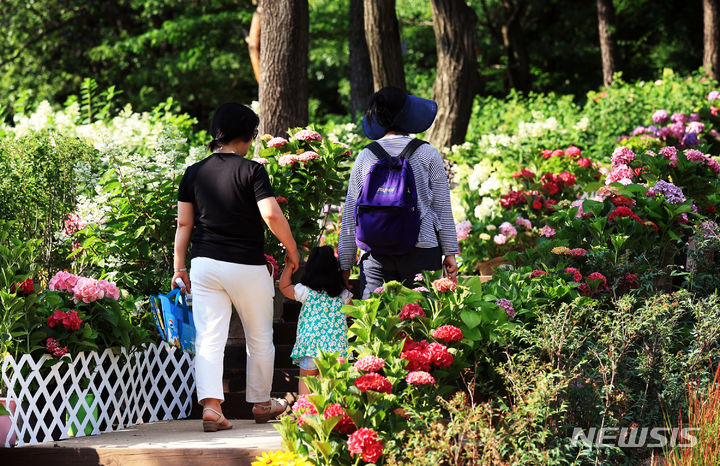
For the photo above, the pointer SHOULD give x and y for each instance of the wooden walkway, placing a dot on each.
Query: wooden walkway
(158, 443)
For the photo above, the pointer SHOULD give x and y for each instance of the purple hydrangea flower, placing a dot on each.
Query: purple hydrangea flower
(673, 194)
(690, 139)
(678, 118)
(508, 306)
(694, 117)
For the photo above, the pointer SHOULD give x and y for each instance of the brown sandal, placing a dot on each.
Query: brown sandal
(214, 426)
(264, 413)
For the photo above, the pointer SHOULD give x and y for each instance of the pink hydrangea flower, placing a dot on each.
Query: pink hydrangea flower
(547, 231)
(369, 364)
(410, 311)
(500, 239)
(72, 224)
(508, 230)
(308, 135)
(670, 153)
(307, 156)
(418, 278)
(419, 378)
(88, 290)
(110, 288)
(287, 159)
(379, 290)
(523, 222)
(695, 155)
(63, 281)
(462, 230)
(622, 156)
(660, 116)
(444, 284)
(277, 142)
(421, 289)
(713, 95)
(260, 160)
(620, 173)
(695, 127)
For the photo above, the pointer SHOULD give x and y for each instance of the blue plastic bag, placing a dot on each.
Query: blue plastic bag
(174, 319)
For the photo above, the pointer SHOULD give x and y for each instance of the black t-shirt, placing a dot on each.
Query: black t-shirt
(224, 190)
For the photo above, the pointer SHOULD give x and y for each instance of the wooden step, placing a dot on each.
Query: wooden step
(284, 380)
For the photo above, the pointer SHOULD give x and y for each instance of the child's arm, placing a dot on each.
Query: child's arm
(285, 283)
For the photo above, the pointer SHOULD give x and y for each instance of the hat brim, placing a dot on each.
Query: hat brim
(416, 115)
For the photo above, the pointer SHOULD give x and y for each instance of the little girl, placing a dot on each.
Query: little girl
(321, 326)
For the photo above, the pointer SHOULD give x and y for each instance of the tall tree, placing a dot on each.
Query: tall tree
(606, 25)
(711, 38)
(512, 34)
(361, 78)
(382, 34)
(456, 76)
(283, 65)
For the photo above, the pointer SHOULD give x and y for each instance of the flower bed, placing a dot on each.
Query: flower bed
(153, 384)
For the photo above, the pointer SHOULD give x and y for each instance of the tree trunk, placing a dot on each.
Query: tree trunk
(606, 24)
(382, 35)
(518, 62)
(253, 41)
(283, 65)
(456, 76)
(711, 38)
(361, 78)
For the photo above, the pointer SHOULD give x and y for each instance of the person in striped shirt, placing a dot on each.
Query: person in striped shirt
(391, 117)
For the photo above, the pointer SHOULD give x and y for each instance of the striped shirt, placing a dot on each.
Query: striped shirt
(433, 194)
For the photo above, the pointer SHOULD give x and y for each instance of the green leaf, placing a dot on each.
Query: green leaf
(471, 318)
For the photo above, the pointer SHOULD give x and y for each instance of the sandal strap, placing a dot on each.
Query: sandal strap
(210, 409)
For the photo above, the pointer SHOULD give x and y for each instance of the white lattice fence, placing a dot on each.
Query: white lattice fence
(156, 383)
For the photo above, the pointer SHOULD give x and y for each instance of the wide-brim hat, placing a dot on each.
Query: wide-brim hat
(415, 116)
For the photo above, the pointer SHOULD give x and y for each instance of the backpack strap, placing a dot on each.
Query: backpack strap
(377, 149)
(411, 147)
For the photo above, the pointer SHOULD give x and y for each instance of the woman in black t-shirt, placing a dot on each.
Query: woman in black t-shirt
(224, 203)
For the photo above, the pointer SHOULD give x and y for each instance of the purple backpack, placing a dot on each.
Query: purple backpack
(387, 218)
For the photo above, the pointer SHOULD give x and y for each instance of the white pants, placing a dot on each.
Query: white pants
(216, 285)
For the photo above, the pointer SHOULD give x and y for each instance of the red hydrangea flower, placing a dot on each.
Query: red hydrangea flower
(369, 364)
(444, 284)
(448, 333)
(364, 442)
(547, 153)
(584, 162)
(623, 211)
(584, 289)
(567, 178)
(630, 282)
(373, 381)
(558, 153)
(417, 360)
(70, 319)
(550, 204)
(412, 310)
(410, 345)
(25, 287)
(619, 200)
(345, 424)
(551, 188)
(547, 177)
(512, 198)
(524, 174)
(537, 273)
(53, 347)
(598, 276)
(573, 151)
(438, 355)
(577, 276)
(420, 378)
(577, 252)
(537, 203)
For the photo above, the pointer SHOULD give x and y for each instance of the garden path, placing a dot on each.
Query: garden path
(180, 442)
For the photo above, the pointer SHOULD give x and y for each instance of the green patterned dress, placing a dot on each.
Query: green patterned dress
(322, 326)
